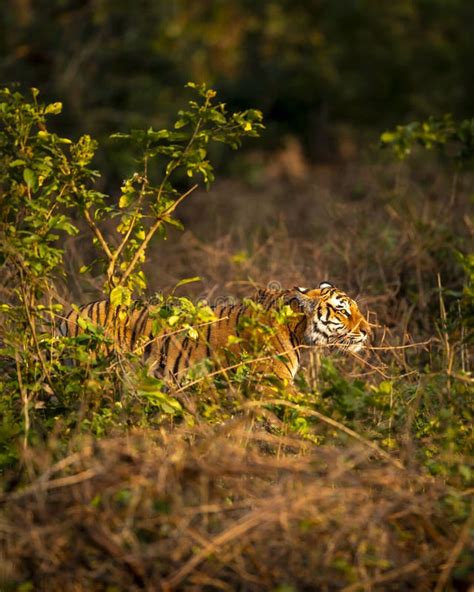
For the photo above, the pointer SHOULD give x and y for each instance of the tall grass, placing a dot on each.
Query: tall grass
(359, 481)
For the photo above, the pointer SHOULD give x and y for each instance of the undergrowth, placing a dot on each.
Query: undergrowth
(358, 479)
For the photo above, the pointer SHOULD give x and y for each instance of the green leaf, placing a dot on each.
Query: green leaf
(120, 296)
(188, 281)
(192, 333)
(150, 388)
(83, 323)
(173, 222)
(30, 178)
(180, 123)
(54, 108)
(126, 199)
(173, 320)
(157, 135)
(387, 137)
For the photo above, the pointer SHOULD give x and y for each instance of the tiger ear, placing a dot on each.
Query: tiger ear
(301, 289)
(325, 284)
(307, 303)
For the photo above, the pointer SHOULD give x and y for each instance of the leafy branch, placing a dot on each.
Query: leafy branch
(45, 182)
(145, 208)
(435, 133)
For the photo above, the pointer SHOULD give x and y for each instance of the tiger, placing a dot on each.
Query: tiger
(322, 316)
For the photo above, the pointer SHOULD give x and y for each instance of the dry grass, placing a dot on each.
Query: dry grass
(384, 233)
(235, 508)
(227, 509)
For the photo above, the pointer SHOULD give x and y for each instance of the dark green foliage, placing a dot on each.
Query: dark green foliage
(310, 65)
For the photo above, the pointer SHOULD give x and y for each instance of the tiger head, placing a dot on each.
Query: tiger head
(333, 318)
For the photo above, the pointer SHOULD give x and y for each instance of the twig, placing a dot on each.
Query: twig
(54, 484)
(239, 529)
(390, 347)
(386, 577)
(119, 249)
(24, 400)
(458, 547)
(151, 232)
(234, 366)
(466, 379)
(123, 243)
(98, 234)
(28, 304)
(173, 206)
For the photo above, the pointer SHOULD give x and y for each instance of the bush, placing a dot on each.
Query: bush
(48, 186)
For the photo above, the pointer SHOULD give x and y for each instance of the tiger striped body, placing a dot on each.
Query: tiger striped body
(323, 316)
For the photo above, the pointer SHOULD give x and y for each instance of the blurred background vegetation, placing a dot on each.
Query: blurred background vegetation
(324, 72)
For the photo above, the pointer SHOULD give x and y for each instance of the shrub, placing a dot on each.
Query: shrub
(47, 185)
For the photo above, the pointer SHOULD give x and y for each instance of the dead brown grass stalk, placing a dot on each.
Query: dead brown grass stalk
(195, 508)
